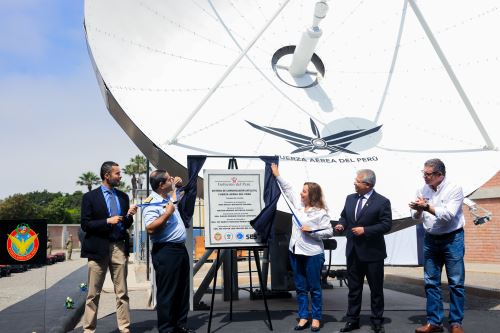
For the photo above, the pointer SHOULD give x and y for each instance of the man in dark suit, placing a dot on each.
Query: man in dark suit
(106, 216)
(365, 218)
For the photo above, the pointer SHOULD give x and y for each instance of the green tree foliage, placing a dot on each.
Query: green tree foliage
(56, 207)
(18, 206)
(42, 198)
(57, 212)
(88, 179)
(74, 200)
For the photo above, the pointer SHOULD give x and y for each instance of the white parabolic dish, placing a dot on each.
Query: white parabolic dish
(197, 77)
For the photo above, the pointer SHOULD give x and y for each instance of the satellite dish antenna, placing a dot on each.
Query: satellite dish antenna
(387, 86)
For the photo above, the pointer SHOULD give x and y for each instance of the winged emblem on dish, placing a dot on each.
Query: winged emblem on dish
(337, 142)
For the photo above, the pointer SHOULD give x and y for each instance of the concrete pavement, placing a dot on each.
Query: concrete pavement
(33, 301)
(405, 310)
(404, 293)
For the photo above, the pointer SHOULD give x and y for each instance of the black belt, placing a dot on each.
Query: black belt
(443, 236)
(116, 240)
(158, 246)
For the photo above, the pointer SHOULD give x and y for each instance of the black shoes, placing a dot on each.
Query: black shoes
(378, 328)
(350, 327)
(301, 327)
(315, 329)
(183, 330)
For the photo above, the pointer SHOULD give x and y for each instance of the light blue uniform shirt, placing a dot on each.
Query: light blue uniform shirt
(172, 231)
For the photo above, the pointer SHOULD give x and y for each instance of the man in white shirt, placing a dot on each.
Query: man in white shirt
(439, 206)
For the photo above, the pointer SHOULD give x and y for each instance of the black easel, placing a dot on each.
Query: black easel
(259, 273)
(233, 164)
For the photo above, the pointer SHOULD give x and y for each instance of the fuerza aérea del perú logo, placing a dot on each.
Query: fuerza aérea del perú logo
(336, 142)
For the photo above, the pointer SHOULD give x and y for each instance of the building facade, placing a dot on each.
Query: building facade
(482, 242)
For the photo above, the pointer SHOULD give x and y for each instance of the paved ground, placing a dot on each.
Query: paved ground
(405, 304)
(20, 286)
(404, 312)
(33, 301)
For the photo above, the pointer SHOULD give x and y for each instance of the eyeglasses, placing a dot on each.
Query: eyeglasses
(167, 178)
(429, 174)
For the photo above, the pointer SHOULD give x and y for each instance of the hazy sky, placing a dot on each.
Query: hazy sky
(53, 122)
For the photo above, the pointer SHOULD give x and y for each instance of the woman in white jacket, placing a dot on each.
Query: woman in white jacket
(310, 225)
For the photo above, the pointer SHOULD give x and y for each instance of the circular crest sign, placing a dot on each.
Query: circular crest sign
(22, 243)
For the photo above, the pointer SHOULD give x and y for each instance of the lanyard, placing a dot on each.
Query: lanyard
(162, 203)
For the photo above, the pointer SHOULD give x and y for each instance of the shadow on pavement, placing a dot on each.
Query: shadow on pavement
(45, 310)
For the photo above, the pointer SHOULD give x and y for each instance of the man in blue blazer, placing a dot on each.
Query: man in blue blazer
(366, 217)
(106, 216)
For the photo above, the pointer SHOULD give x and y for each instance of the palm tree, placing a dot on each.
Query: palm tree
(135, 169)
(88, 179)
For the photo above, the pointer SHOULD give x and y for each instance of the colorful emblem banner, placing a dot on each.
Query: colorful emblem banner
(23, 242)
